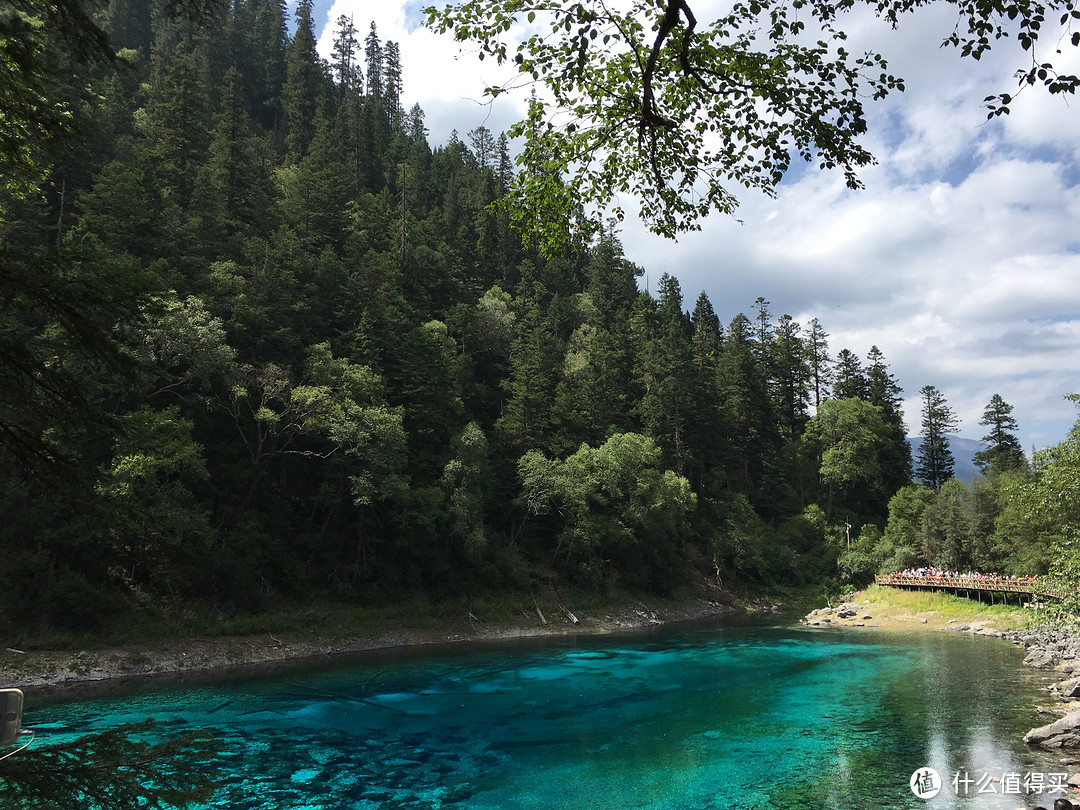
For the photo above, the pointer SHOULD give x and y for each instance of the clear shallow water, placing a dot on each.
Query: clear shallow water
(712, 717)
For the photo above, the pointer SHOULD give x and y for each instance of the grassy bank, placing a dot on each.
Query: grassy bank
(893, 607)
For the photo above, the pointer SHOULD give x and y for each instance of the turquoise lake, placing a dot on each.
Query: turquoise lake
(722, 715)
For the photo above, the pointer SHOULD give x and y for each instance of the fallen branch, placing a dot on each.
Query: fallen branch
(538, 612)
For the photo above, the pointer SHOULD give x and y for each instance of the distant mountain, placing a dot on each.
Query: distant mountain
(963, 451)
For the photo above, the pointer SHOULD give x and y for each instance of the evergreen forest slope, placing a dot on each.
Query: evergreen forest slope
(260, 343)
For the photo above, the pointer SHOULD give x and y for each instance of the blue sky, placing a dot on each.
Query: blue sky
(960, 259)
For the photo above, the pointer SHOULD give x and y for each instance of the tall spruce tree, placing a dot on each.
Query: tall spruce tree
(235, 189)
(883, 390)
(664, 371)
(178, 126)
(705, 404)
(849, 378)
(821, 373)
(347, 72)
(392, 85)
(373, 54)
(749, 422)
(529, 389)
(264, 66)
(304, 84)
(1004, 451)
(935, 461)
(791, 374)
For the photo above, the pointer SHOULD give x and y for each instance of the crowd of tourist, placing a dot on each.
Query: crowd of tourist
(941, 575)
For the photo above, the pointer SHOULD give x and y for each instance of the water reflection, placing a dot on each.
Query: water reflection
(725, 717)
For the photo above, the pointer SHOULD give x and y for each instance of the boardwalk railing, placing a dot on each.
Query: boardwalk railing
(979, 585)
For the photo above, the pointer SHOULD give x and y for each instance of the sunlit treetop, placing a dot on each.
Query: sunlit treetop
(643, 99)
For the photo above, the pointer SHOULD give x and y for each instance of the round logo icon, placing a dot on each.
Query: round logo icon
(925, 783)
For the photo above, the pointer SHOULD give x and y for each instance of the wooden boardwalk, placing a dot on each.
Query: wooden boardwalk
(971, 587)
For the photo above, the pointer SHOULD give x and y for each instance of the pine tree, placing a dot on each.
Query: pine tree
(484, 147)
(1004, 451)
(594, 389)
(264, 69)
(129, 26)
(529, 389)
(791, 373)
(392, 87)
(935, 463)
(763, 331)
(849, 379)
(663, 369)
(347, 72)
(881, 386)
(178, 126)
(235, 186)
(373, 54)
(883, 390)
(703, 431)
(749, 421)
(821, 372)
(414, 126)
(304, 84)
(123, 208)
(314, 192)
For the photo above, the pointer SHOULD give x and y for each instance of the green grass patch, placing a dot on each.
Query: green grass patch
(947, 606)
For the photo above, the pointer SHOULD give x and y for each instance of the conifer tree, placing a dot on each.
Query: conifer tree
(935, 462)
(129, 26)
(347, 72)
(881, 386)
(1004, 451)
(373, 54)
(392, 87)
(763, 331)
(704, 432)
(304, 84)
(264, 66)
(749, 420)
(821, 372)
(178, 127)
(314, 192)
(791, 373)
(593, 393)
(663, 369)
(529, 389)
(123, 207)
(849, 378)
(883, 390)
(235, 184)
(484, 147)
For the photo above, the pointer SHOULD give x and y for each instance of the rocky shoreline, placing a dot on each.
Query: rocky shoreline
(1047, 648)
(74, 672)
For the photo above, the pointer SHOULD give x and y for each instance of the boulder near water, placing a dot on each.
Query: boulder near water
(1062, 733)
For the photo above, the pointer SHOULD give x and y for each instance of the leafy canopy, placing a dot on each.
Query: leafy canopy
(642, 98)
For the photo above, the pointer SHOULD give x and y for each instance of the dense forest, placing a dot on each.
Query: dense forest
(260, 343)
